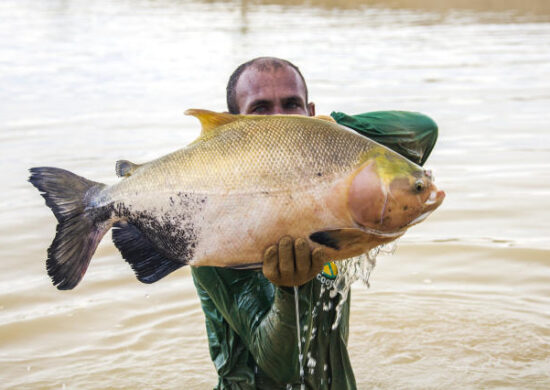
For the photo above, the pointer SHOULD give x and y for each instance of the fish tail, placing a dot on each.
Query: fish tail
(79, 228)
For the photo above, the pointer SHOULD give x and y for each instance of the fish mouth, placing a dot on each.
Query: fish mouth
(419, 219)
(435, 199)
(382, 234)
(433, 202)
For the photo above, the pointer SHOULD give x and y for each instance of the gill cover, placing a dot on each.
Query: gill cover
(389, 193)
(367, 196)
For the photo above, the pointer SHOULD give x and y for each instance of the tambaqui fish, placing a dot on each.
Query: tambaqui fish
(242, 185)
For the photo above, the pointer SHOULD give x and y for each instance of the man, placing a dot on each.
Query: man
(250, 315)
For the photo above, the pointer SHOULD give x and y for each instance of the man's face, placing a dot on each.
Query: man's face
(270, 92)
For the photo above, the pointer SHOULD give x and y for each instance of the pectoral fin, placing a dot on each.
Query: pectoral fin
(347, 242)
(339, 238)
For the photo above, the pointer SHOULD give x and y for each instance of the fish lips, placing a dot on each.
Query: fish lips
(433, 202)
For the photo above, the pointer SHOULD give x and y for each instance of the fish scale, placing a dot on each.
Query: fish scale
(242, 156)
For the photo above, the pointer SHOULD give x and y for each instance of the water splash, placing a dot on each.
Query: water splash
(300, 354)
(349, 271)
(311, 363)
(352, 270)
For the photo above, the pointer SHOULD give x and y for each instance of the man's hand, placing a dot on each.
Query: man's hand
(292, 263)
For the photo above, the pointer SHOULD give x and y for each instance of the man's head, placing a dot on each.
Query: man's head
(268, 86)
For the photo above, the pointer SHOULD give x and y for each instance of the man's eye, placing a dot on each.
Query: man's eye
(259, 109)
(292, 106)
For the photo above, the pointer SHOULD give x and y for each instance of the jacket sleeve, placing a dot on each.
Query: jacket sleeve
(261, 314)
(228, 353)
(410, 134)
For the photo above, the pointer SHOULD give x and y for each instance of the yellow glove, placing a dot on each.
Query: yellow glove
(292, 263)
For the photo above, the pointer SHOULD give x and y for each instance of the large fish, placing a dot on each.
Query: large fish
(242, 185)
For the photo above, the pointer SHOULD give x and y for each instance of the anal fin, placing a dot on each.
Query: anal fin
(146, 261)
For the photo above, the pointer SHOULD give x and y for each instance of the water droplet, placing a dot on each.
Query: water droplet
(300, 355)
(311, 363)
(352, 270)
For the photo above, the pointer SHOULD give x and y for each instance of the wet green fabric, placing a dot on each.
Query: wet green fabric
(251, 327)
(410, 134)
(251, 324)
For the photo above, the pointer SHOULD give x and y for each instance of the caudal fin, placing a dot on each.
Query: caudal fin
(78, 232)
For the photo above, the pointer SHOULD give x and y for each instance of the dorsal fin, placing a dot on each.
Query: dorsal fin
(210, 119)
(325, 118)
(125, 168)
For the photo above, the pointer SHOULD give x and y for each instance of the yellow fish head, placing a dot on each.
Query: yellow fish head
(389, 193)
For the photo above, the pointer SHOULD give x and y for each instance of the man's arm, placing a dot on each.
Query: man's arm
(228, 353)
(260, 313)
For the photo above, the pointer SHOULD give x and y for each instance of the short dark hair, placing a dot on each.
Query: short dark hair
(262, 64)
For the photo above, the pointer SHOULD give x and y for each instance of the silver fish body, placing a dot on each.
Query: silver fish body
(243, 184)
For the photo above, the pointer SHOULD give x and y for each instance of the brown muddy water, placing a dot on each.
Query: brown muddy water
(465, 300)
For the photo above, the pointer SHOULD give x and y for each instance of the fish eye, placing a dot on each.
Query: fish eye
(419, 186)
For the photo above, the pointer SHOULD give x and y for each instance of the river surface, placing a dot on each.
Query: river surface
(465, 300)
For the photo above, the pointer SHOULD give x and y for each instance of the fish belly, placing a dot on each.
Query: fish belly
(231, 229)
(236, 229)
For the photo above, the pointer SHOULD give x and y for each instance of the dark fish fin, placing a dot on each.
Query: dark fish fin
(339, 238)
(148, 264)
(250, 266)
(78, 232)
(125, 168)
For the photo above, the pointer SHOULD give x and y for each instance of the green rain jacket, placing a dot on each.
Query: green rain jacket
(251, 324)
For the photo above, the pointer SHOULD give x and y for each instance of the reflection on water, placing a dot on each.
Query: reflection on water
(465, 296)
(516, 7)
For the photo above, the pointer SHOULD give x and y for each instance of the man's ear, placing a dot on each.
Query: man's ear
(311, 109)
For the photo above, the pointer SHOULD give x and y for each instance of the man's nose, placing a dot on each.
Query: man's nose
(278, 110)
